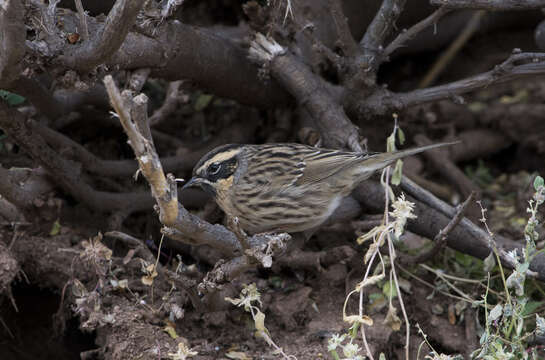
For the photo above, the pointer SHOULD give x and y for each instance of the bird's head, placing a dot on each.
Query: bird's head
(215, 171)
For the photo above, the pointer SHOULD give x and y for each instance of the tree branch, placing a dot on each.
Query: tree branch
(440, 239)
(107, 40)
(310, 91)
(492, 5)
(82, 20)
(383, 102)
(407, 35)
(466, 237)
(346, 40)
(377, 32)
(64, 172)
(173, 97)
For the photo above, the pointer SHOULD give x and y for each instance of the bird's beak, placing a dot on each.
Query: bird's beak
(194, 181)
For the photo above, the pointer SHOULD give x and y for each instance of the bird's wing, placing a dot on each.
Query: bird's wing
(325, 163)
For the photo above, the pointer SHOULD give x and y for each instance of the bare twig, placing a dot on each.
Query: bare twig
(492, 5)
(383, 102)
(107, 40)
(163, 190)
(407, 35)
(440, 239)
(134, 243)
(174, 96)
(224, 272)
(472, 337)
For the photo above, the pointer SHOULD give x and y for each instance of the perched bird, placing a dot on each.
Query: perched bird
(285, 187)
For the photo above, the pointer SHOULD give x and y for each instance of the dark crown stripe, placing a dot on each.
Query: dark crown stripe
(214, 152)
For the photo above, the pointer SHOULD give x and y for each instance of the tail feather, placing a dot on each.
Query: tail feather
(379, 161)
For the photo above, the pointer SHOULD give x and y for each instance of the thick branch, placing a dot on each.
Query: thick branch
(346, 40)
(177, 51)
(311, 93)
(107, 40)
(502, 5)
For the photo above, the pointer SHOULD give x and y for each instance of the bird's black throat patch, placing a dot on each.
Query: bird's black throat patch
(209, 189)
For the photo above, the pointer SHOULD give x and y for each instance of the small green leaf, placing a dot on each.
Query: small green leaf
(203, 101)
(56, 228)
(11, 98)
(398, 173)
(400, 136)
(389, 288)
(538, 182)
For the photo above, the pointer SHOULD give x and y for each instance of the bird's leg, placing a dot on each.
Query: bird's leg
(234, 225)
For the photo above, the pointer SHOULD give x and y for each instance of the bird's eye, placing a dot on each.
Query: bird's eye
(214, 168)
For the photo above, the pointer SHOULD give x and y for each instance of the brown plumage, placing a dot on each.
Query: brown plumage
(285, 187)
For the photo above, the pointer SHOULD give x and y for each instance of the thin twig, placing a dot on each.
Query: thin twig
(173, 97)
(440, 239)
(502, 5)
(407, 35)
(531, 65)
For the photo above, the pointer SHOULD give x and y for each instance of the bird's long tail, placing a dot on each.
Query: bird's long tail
(379, 161)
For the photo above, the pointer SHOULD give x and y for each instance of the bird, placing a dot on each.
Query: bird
(286, 187)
